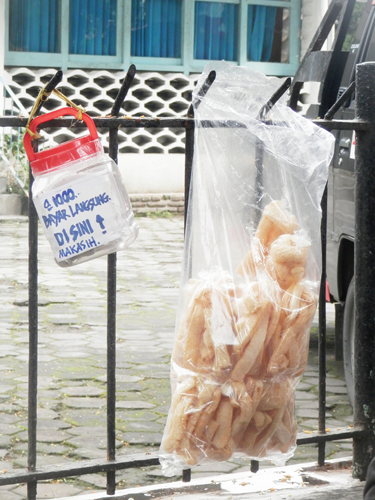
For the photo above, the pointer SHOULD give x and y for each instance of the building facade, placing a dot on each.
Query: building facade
(169, 41)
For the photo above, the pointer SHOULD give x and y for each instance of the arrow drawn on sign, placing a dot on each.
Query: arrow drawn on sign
(99, 220)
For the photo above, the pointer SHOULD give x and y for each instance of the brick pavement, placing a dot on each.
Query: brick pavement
(72, 360)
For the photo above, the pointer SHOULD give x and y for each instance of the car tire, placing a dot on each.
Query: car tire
(348, 339)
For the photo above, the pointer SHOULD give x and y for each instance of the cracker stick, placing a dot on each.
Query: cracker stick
(286, 433)
(293, 355)
(244, 365)
(178, 425)
(275, 221)
(222, 359)
(185, 388)
(277, 361)
(185, 443)
(206, 393)
(273, 323)
(208, 351)
(283, 433)
(259, 367)
(268, 432)
(183, 398)
(223, 416)
(275, 394)
(246, 328)
(259, 419)
(252, 299)
(195, 328)
(222, 454)
(255, 390)
(307, 304)
(289, 255)
(240, 399)
(211, 429)
(216, 397)
(191, 454)
(200, 428)
(252, 431)
(254, 260)
(207, 403)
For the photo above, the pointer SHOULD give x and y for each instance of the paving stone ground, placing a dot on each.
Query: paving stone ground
(72, 360)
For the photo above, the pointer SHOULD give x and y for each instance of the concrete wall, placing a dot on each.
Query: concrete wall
(152, 173)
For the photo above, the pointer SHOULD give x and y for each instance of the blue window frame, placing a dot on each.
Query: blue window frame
(164, 35)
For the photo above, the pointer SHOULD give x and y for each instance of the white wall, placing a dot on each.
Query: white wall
(2, 49)
(312, 14)
(152, 173)
(2, 36)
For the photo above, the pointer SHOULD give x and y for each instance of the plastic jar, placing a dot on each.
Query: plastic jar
(79, 196)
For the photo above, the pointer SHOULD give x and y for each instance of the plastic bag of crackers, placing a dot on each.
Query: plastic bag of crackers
(251, 275)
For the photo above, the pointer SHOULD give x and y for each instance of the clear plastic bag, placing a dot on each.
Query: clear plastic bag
(251, 275)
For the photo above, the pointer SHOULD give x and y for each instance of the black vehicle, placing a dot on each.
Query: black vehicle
(354, 43)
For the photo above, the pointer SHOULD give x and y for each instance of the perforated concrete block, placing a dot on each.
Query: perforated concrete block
(152, 94)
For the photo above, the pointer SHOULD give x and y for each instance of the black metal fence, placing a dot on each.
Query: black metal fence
(363, 431)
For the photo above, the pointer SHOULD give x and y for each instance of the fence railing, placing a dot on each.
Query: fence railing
(362, 432)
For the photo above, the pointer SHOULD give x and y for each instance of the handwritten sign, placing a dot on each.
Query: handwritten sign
(79, 216)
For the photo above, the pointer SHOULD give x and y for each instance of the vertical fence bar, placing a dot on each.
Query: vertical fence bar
(123, 90)
(186, 475)
(364, 272)
(33, 315)
(254, 466)
(259, 149)
(111, 302)
(189, 138)
(339, 328)
(189, 153)
(322, 331)
(33, 337)
(111, 342)
(259, 188)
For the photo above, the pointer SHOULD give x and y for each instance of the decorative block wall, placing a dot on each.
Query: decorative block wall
(151, 95)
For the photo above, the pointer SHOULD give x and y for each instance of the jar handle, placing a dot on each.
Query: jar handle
(50, 116)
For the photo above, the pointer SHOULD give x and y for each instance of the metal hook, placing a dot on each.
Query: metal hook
(273, 99)
(202, 92)
(123, 90)
(340, 101)
(51, 85)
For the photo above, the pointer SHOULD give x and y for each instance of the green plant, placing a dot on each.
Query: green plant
(17, 165)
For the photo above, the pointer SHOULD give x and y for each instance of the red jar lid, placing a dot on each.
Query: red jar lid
(66, 153)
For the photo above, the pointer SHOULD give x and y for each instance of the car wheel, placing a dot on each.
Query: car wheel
(348, 335)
